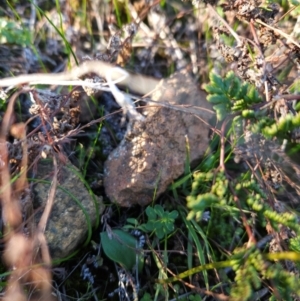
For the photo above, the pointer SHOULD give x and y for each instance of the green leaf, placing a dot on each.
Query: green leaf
(151, 225)
(228, 80)
(234, 88)
(252, 95)
(295, 244)
(169, 227)
(212, 89)
(243, 90)
(248, 113)
(160, 222)
(159, 210)
(217, 99)
(144, 228)
(202, 201)
(221, 111)
(146, 297)
(239, 105)
(150, 213)
(295, 87)
(160, 233)
(216, 80)
(120, 248)
(132, 221)
(173, 214)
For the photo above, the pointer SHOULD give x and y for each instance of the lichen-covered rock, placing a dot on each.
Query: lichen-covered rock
(153, 152)
(73, 212)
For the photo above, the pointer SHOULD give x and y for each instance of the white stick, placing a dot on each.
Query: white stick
(123, 99)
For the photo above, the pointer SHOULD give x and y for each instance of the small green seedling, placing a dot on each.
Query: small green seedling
(160, 222)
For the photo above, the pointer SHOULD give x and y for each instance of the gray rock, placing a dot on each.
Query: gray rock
(73, 212)
(153, 152)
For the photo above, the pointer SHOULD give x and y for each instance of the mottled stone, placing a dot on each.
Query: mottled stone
(74, 208)
(153, 153)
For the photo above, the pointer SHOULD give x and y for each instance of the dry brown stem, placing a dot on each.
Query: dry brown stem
(19, 253)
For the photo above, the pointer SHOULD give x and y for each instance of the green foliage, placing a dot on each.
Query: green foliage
(235, 202)
(13, 33)
(295, 244)
(229, 95)
(295, 87)
(215, 195)
(121, 247)
(213, 191)
(244, 195)
(247, 278)
(256, 201)
(252, 269)
(146, 297)
(229, 198)
(210, 191)
(160, 222)
(61, 33)
(121, 11)
(284, 125)
(286, 283)
(296, 11)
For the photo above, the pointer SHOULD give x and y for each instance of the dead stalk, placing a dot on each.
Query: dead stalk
(135, 82)
(19, 253)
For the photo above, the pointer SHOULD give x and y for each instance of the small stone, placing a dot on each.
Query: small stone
(67, 226)
(153, 152)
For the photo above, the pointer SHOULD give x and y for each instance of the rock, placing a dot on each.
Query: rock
(73, 208)
(153, 153)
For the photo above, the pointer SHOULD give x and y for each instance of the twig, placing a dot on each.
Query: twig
(43, 221)
(138, 83)
(122, 99)
(257, 44)
(213, 12)
(10, 207)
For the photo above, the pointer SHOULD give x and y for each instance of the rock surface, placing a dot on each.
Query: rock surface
(74, 208)
(153, 152)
